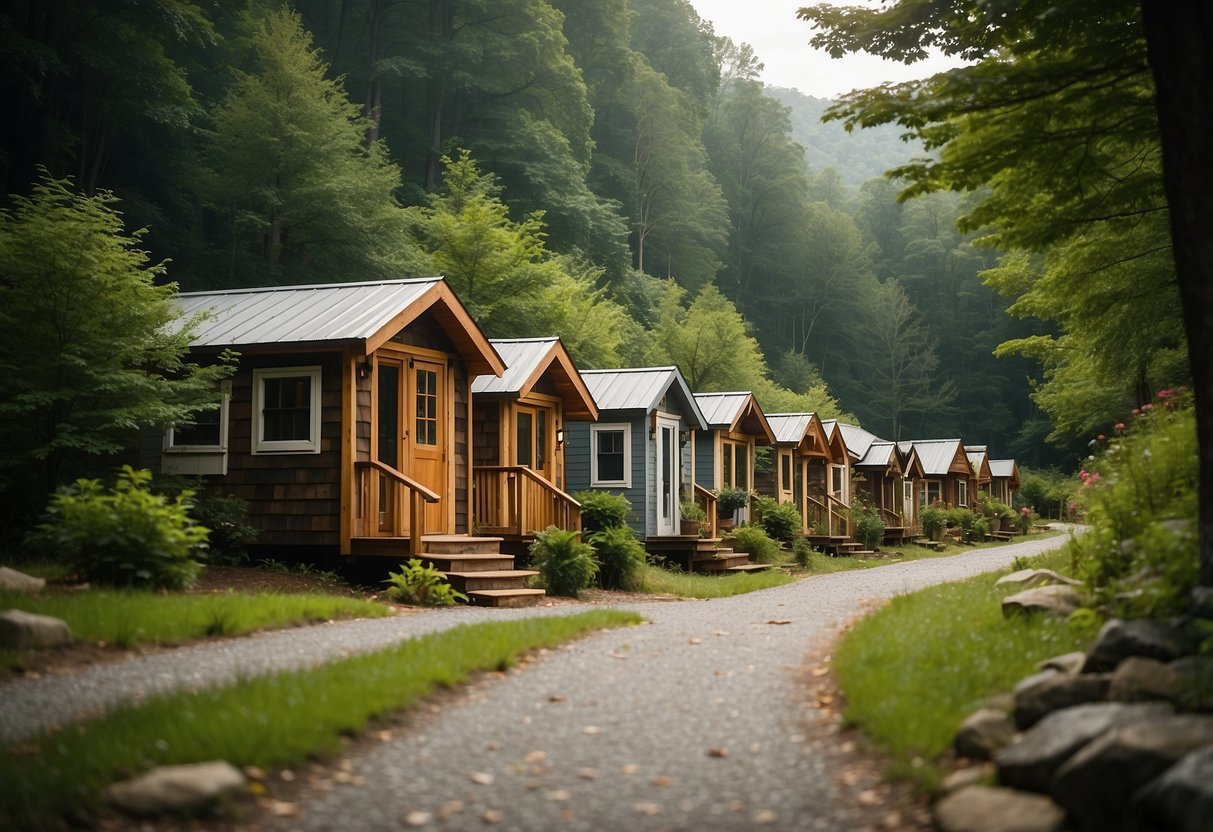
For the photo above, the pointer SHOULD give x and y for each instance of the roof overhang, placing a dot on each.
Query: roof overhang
(469, 340)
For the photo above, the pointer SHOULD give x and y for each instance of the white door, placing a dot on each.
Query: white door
(668, 469)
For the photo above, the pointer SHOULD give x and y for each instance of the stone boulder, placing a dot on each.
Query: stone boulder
(177, 789)
(991, 809)
(1031, 763)
(21, 630)
(1138, 679)
(1067, 663)
(1043, 693)
(1056, 600)
(982, 733)
(1195, 682)
(1028, 578)
(1097, 784)
(1181, 800)
(13, 581)
(981, 774)
(1117, 640)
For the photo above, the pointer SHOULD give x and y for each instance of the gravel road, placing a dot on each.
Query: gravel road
(695, 720)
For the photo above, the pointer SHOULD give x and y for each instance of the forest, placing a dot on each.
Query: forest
(612, 171)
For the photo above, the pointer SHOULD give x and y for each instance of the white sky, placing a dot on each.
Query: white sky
(781, 42)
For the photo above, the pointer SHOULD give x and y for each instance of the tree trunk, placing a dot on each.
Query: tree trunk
(1180, 41)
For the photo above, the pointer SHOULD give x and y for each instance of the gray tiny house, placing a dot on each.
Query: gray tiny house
(638, 445)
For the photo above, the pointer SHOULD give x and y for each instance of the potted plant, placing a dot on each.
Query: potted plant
(693, 517)
(934, 520)
(728, 501)
(996, 513)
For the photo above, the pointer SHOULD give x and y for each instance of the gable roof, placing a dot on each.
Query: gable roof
(527, 361)
(979, 461)
(1004, 468)
(335, 314)
(641, 388)
(838, 443)
(737, 412)
(858, 441)
(797, 428)
(881, 454)
(936, 455)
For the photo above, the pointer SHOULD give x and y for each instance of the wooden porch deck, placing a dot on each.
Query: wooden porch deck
(701, 554)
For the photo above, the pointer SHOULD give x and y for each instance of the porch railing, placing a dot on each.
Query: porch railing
(384, 498)
(828, 514)
(890, 517)
(514, 500)
(706, 500)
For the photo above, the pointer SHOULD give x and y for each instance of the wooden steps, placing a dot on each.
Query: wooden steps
(505, 597)
(701, 554)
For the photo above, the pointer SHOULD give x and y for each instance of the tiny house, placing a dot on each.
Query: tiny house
(946, 471)
(805, 471)
(724, 451)
(979, 461)
(1004, 480)
(881, 474)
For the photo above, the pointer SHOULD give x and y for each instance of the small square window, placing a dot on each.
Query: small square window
(200, 447)
(286, 410)
(610, 460)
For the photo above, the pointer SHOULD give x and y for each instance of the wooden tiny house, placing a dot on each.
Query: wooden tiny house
(979, 461)
(880, 473)
(1004, 480)
(946, 471)
(518, 439)
(723, 452)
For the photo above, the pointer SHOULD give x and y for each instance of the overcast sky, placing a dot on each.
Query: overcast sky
(782, 44)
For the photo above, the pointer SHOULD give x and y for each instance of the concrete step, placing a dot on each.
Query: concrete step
(460, 544)
(505, 597)
(467, 582)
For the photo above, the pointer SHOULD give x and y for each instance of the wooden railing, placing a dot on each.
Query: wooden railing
(706, 500)
(890, 517)
(514, 500)
(829, 514)
(384, 498)
(840, 516)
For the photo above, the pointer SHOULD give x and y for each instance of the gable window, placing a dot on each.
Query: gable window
(962, 493)
(200, 447)
(610, 461)
(286, 410)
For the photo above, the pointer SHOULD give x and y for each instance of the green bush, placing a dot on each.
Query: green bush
(779, 520)
(802, 552)
(979, 529)
(418, 583)
(1139, 556)
(869, 527)
(692, 511)
(565, 564)
(620, 557)
(224, 515)
(729, 500)
(961, 518)
(754, 541)
(933, 520)
(601, 510)
(1047, 492)
(127, 535)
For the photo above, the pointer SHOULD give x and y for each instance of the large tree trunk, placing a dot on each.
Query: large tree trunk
(1180, 40)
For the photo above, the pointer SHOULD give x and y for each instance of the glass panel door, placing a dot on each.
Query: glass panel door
(525, 439)
(667, 477)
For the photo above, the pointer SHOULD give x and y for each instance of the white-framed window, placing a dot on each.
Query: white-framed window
(286, 410)
(962, 493)
(611, 456)
(930, 494)
(200, 447)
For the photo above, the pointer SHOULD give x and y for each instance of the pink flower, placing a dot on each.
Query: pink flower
(1119, 426)
(1165, 393)
(1147, 406)
(1101, 437)
(1137, 411)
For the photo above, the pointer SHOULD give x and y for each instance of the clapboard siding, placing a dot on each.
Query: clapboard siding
(705, 458)
(577, 465)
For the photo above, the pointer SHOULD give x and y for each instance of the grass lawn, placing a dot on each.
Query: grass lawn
(912, 671)
(659, 581)
(824, 564)
(278, 720)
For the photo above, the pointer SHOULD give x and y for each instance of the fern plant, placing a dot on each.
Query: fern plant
(565, 564)
(620, 557)
(418, 583)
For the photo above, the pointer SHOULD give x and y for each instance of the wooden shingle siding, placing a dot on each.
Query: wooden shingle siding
(486, 431)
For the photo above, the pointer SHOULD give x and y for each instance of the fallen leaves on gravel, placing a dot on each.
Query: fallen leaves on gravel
(536, 756)
(661, 781)
(718, 751)
(279, 808)
(780, 621)
(417, 818)
(591, 730)
(765, 816)
(492, 816)
(482, 778)
(647, 808)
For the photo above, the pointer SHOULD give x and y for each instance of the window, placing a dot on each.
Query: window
(734, 465)
(931, 493)
(610, 461)
(199, 448)
(962, 493)
(785, 470)
(286, 410)
(427, 407)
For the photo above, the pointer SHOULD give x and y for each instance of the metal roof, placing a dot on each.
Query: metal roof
(789, 428)
(721, 409)
(936, 455)
(857, 440)
(975, 458)
(521, 356)
(640, 388)
(1002, 467)
(879, 452)
(297, 314)
(973, 449)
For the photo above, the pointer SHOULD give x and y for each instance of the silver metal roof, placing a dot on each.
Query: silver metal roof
(879, 452)
(972, 449)
(789, 428)
(295, 314)
(521, 357)
(640, 388)
(721, 409)
(857, 440)
(936, 455)
(975, 458)
(1002, 467)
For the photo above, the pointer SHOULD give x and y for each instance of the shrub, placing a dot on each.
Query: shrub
(979, 529)
(779, 520)
(620, 557)
(418, 583)
(565, 564)
(961, 518)
(729, 500)
(869, 528)
(602, 510)
(802, 552)
(1047, 491)
(933, 520)
(754, 541)
(692, 511)
(1026, 519)
(127, 535)
(224, 515)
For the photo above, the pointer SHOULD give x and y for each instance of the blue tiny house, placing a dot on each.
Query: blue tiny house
(639, 445)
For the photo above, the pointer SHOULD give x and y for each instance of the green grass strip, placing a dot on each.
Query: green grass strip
(912, 671)
(660, 581)
(277, 720)
(125, 618)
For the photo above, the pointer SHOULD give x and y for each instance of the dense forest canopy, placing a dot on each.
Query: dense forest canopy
(610, 171)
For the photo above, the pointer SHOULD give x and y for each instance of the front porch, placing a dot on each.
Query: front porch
(514, 503)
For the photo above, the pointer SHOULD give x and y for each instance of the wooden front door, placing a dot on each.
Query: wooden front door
(533, 440)
(426, 435)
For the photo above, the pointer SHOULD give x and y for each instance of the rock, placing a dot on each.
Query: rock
(1097, 784)
(1056, 600)
(1181, 800)
(962, 778)
(21, 630)
(1068, 663)
(1117, 640)
(1028, 578)
(1040, 695)
(1200, 603)
(184, 788)
(982, 733)
(1031, 762)
(1195, 682)
(1138, 679)
(991, 809)
(13, 581)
